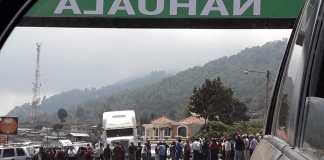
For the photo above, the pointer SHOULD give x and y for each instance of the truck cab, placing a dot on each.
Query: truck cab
(119, 127)
(294, 126)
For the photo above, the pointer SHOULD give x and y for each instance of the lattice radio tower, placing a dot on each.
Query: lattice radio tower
(36, 87)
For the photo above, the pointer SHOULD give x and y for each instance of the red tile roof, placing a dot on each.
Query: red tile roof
(193, 120)
(162, 120)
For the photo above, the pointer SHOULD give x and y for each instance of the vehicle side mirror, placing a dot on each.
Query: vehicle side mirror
(314, 127)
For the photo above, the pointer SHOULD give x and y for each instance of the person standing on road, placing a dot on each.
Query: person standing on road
(139, 151)
(246, 147)
(162, 151)
(239, 148)
(41, 155)
(80, 154)
(59, 154)
(88, 152)
(253, 144)
(148, 150)
(227, 149)
(214, 150)
(187, 151)
(118, 152)
(173, 150)
(107, 153)
(205, 150)
(156, 150)
(50, 154)
(101, 151)
(179, 149)
(131, 151)
(196, 147)
(71, 153)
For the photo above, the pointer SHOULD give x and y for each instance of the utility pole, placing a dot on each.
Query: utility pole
(36, 87)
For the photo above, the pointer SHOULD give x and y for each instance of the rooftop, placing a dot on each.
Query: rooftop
(193, 120)
(163, 120)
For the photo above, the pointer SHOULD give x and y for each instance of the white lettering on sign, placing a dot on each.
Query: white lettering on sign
(99, 8)
(238, 10)
(239, 7)
(210, 6)
(158, 10)
(174, 5)
(67, 5)
(117, 5)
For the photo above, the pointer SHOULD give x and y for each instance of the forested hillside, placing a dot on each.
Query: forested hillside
(169, 97)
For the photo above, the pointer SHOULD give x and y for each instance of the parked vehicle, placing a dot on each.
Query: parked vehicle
(16, 153)
(119, 127)
(294, 125)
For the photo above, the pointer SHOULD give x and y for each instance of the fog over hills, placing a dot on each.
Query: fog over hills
(160, 93)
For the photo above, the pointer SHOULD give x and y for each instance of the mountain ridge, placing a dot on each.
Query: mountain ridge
(164, 94)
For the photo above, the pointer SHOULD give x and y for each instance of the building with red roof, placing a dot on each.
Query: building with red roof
(163, 128)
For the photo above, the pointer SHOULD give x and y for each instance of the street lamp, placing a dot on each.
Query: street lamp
(267, 76)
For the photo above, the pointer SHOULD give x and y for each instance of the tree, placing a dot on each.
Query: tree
(143, 118)
(80, 113)
(214, 101)
(216, 128)
(99, 110)
(57, 128)
(238, 113)
(62, 114)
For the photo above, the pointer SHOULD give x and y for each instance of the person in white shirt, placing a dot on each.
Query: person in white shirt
(246, 147)
(71, 153)
(196, 147)
(227, 148)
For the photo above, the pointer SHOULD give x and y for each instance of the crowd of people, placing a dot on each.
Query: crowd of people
(67, 153)
(238, 147)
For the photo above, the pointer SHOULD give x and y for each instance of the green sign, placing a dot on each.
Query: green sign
(191, 9)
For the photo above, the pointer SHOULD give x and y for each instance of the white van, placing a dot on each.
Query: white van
(16, 153)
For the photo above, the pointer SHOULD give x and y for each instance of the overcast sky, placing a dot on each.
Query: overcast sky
(83, 58)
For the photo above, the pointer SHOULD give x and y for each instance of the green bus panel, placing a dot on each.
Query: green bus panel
(164, 13)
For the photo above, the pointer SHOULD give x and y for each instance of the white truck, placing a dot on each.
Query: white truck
(119, 127)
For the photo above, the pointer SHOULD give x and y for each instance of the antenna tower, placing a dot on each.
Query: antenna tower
(36, 87)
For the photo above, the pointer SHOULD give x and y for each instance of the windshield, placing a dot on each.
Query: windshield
(175, 79)
(119, 132)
